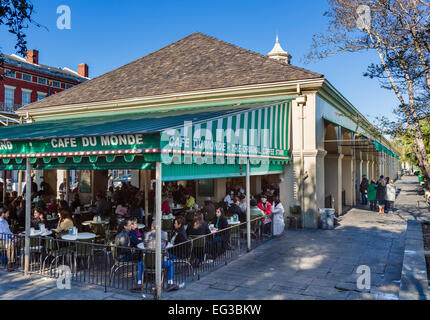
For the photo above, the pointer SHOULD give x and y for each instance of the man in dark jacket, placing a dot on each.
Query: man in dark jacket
(178, 237)
(363, 189)
(235, 209)
(380, 194)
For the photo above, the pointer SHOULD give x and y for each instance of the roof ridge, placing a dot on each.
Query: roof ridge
(257, 53)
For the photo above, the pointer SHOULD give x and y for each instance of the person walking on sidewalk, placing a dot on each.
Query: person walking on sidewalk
(390, 196)
(363, 189)
(380, 194)
(371, 195)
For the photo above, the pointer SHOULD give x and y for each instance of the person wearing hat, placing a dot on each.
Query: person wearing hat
(266, 207)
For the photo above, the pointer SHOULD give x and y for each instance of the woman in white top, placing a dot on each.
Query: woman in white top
(390, 196)
(278, 217)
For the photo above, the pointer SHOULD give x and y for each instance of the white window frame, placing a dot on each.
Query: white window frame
(9, 88)
(26, 91)
(31, 77)
(44, 94)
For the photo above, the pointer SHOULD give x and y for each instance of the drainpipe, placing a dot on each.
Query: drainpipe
(301, 101)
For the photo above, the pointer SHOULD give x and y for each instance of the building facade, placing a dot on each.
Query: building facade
(25, 81)
(330, 144)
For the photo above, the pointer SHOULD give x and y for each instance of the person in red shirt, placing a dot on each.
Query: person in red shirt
(266, 207)
(165, 207)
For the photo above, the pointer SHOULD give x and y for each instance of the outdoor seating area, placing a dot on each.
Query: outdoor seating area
(87, 237)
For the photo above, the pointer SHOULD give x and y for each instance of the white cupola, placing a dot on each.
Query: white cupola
(279, 54)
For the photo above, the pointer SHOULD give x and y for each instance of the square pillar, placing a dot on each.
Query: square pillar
(333, 179)
(348, 179)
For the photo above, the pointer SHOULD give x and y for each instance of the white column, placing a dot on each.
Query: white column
(158, 253)
(248, 206)
(28, 192)
(333, 179)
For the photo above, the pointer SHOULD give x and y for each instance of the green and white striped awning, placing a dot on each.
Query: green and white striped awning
(216, 135)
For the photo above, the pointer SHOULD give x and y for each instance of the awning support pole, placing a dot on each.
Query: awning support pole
(68, 186)
(248, 205)
(158, 253)
(27, 216)
(4, 186)
(20, 183)
(146, 191)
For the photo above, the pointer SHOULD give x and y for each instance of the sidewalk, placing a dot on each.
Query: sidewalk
(303, 264)
(312, 264)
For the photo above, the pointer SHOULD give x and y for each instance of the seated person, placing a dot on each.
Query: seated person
(65, 221)
(150, 243)
(189, 200)
(102, 206)
(121, 210)
(52, 207)
(199, 227)
(221, 241)
(179, 236)
(8, 241)
(123, 241)
(165, 207)
(38, 218)
(135, 236)
(76, 202)
(134, 211)
(209, 210)
(235, 209)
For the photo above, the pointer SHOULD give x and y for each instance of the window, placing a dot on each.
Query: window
(27, 77)
(10, 73)
(41, 95)
(26, 97)
(41, 80)
(56, 84)
(68, 85)
(9, 99)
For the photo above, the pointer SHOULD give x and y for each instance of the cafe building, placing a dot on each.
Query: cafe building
(207, 111)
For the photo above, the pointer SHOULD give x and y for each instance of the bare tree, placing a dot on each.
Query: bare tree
(399, 31)
(15, 14)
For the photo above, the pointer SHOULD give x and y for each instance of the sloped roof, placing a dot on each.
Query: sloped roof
(17, 61)
(196, 62)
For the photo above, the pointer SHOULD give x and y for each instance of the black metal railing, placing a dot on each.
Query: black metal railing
(117, 267)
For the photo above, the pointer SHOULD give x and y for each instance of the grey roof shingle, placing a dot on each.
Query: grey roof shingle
(196, 62)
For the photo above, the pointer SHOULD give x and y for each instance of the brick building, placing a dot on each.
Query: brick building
(25, 80)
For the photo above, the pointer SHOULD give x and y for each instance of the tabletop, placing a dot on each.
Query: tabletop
(140, 226)
(79, 236)
(87, 223)
(142, 246)
(41, 233)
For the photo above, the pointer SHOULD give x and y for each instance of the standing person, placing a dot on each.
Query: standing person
(380, 194)
(390, 196)
(266, 207)
(8, 241)
(278, 217)
(371, 194)
(363, 189)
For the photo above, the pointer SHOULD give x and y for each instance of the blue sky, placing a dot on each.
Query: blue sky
(107, 34)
